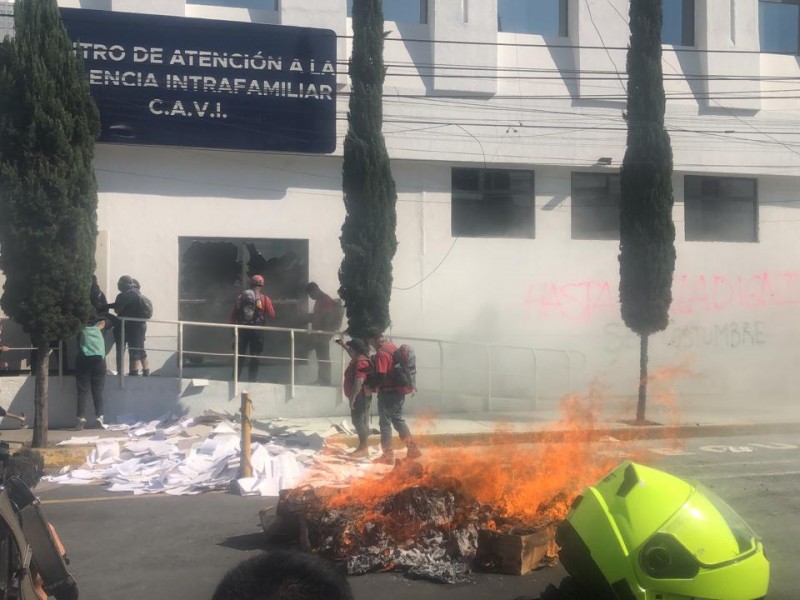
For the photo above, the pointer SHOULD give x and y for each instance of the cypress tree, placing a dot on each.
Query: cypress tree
(368, 234)
(48, 192)
(647, 232)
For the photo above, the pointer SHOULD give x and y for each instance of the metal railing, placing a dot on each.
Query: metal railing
(489, 350)
(468, 375)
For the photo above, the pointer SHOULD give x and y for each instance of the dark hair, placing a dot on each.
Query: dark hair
(284, 575)
(358, 345)
(125, 283)
(312, 287)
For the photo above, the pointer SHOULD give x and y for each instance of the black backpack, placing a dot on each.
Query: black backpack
(144, 309)
(404, 369)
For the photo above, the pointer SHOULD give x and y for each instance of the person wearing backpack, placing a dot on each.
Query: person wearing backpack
(358, 394)
(90, 369)
(391, 397)
(251, 308)
(130, 302)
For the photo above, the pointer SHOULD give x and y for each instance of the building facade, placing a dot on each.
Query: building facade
(505, 123)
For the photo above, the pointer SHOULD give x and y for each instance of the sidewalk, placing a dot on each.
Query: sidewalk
(543, 424)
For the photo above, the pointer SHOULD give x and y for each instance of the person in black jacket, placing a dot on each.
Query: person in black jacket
(127, 304)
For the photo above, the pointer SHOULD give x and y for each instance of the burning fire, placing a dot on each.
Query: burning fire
(431, 514)
(526, 483)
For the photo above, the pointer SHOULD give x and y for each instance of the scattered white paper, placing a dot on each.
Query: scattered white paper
(185, 456)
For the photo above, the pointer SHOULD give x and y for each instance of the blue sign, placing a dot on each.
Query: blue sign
(201, 83)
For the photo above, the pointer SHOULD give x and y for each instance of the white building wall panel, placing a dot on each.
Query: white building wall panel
(734, 317)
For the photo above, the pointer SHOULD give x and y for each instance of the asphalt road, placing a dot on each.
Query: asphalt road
(160, 547)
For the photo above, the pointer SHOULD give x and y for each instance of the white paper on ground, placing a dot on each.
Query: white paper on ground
(79, 441)
(149, 461)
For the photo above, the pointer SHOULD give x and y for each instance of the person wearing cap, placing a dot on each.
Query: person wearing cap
(358, 394)
(251, 308)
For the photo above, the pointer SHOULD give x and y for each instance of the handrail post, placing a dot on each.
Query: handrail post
(246, 466)
(569, 372)
(180, 357)
(121, 349)
(291, 363)
(489, 361)
(342, 368)
(60, 362)
(535, 390)
(441, 374)
(235, 360)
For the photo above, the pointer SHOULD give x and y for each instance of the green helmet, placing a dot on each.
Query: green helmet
(642, 534)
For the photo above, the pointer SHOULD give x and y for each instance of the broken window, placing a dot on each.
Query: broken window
(212, 273)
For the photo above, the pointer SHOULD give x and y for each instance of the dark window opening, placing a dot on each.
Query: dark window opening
(212, 273)
(595, 206)
(542, 17)
(251, 4)
(721, 209)
(401, 11)
(492, 203)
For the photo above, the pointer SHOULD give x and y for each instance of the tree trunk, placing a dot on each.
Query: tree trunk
(643, 359)
(40, 395)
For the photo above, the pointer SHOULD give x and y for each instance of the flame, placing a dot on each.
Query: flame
(522, 482)
(528, 482)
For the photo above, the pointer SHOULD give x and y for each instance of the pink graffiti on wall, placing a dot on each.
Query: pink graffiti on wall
(692, 294)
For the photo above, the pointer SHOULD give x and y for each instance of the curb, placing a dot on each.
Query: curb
(57, 457)
(622, 432)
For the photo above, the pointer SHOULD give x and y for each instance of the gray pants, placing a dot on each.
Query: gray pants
(360, 416)
(390, 414)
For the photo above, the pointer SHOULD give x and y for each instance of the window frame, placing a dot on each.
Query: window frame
(484, 176)
(563, 22)
(687, 211)
(688, 24)
(213, 3)
(423, 13)
(592, 236)
(796, 51)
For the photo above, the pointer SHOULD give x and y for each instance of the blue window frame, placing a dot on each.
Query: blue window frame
(678, 25)
(402, 11)
(254, 4)
(542, 17)
(779, 26)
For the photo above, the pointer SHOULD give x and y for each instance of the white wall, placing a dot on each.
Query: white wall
(729, 324)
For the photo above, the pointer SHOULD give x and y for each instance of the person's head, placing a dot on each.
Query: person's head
(284, 575)
(375, 341)
(125, 283)
(135, 284)
(256, 281)
(313, 291)
(359, 346)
